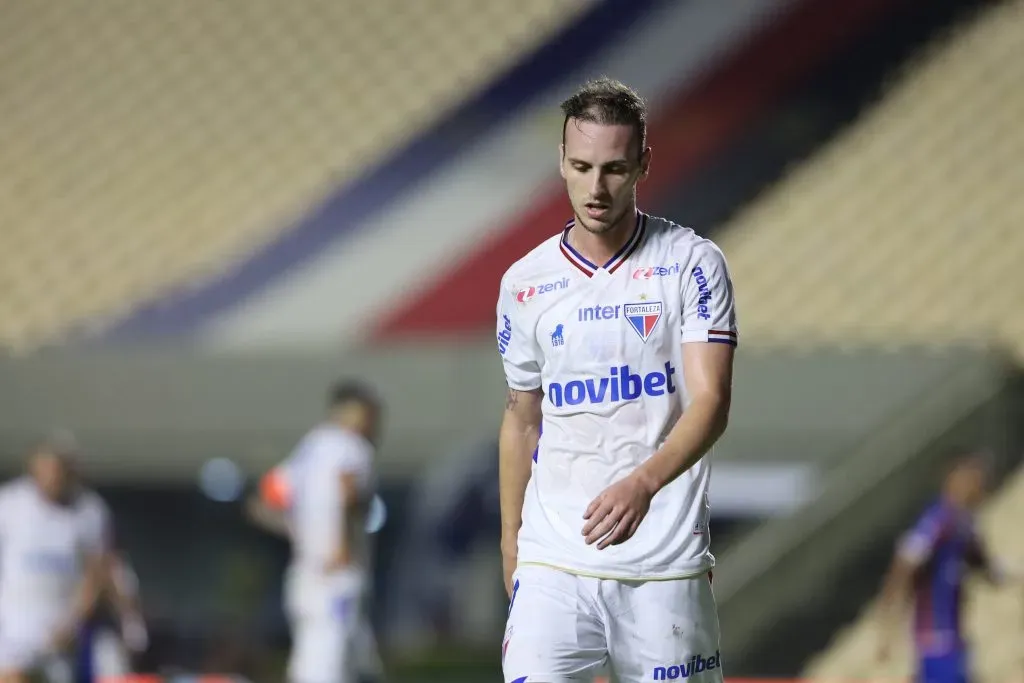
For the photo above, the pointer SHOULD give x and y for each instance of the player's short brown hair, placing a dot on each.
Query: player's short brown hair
(609, 102)
(346, 391)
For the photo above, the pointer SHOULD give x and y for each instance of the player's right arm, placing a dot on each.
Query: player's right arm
(517, 440)
(520, 423)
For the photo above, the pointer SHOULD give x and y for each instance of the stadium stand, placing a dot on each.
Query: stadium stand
(994, 616)
(160, 144)
(905, 229)
(901, 238)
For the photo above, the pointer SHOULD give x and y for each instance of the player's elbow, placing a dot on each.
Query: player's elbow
(717, 405)
(519, 425)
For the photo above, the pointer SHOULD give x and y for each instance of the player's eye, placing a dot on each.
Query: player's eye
(583, 168)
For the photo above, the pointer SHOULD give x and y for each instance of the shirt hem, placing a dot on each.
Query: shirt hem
(613, 576)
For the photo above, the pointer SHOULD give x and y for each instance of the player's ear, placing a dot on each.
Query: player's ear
(645, 162)
(561, 160)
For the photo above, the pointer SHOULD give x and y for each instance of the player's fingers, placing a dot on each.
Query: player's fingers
(621, 532)
(608, 530)
(632, 530)
(592, 522)
(605, 527)
(596, 517)
(592, 508)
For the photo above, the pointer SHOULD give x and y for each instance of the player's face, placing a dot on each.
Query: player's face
(974, 485)
(970, 483)
(51, 474)
(601, 165)
(366, 420)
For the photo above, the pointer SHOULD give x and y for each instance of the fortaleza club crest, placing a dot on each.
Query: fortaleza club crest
(643, 318)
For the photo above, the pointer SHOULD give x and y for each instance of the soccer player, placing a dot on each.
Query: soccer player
(931, 563)
(54, 539)
(619, 332)
(324, 490)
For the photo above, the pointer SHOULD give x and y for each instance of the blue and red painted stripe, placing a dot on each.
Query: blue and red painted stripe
(183, 312)
(695, 125)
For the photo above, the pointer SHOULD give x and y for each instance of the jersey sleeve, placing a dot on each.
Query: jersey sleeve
(709, 310)
(919, 544)
(520, 354)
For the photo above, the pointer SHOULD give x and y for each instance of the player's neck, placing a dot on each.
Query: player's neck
(599, 248)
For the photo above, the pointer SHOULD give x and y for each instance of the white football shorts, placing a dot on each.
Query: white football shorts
(563, 627)
(30, 653)
(327, 620)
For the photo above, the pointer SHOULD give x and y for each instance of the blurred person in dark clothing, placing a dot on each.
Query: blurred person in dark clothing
(930, 565)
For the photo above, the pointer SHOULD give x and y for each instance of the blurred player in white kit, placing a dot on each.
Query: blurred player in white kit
(325, 488)
(619, 331)
(54, 538)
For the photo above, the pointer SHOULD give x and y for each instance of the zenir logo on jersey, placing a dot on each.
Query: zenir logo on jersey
(643, 318)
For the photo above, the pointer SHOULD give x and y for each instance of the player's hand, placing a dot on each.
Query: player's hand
(339, 560)
(134, 633)
(615, 515)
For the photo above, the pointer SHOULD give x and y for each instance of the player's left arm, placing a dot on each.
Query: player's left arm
(995, 572)
(355, 504)
(354, 473)
(123, 583)
(709, 385)
(708, 321)
(95, 557)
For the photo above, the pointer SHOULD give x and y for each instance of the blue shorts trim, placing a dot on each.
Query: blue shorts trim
(947, 668)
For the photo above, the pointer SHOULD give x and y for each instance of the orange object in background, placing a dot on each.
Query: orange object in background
(274, 490)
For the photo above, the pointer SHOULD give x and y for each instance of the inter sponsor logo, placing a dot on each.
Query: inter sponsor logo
(598, 312)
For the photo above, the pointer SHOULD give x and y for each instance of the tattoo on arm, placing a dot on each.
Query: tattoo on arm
(511, 399)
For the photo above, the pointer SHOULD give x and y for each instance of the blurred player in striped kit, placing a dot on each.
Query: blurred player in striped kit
(320, 497)
(931, 564)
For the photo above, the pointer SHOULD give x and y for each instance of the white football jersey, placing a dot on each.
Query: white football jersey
(317, 512)
(605, 345)
(42, 547)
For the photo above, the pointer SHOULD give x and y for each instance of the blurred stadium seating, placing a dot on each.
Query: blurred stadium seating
(995, 615)
(148, 153)
(934, 217)
(906, 229)
(143, 148)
